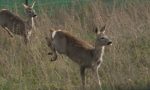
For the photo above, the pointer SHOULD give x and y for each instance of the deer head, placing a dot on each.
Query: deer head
(102, 39)
(29, 10)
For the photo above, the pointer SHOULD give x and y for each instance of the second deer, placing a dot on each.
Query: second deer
(14, 24)
(86, 55)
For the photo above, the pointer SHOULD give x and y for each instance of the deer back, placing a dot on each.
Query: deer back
(12, 22)
(77, 50)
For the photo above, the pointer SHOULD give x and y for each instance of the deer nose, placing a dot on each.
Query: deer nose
(34, 15)
(109, 43)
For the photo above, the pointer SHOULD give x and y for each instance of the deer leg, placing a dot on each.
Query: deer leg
(8, 31)
(53, 51)
(27, 36)
(26, 39)
(96, 76)
(54, 56)
(82, 73)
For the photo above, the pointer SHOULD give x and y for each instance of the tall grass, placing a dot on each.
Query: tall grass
(126, 63)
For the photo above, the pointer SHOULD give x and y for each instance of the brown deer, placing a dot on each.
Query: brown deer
(14, 24)
(86, 55)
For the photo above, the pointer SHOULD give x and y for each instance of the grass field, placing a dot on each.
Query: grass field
(126, 63)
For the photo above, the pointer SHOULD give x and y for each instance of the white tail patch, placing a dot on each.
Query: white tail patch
(54, 33)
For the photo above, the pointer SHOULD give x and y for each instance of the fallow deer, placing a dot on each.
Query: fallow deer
(14, 24)
(86, 55)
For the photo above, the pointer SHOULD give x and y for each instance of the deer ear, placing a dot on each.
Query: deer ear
(103, 29)
(33, 4)
(24, 5)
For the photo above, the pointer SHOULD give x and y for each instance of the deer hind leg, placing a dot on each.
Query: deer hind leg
(54, 53)
(8, 31)
(82, 73)
(51, 46)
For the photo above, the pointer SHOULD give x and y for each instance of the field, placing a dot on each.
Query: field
(126, 63)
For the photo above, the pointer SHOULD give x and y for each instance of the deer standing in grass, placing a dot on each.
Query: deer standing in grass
(13, 24)
(86, 55)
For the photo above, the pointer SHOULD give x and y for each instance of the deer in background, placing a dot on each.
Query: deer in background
(86, 55)
(14, 24)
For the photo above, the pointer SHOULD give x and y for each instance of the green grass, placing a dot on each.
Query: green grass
(126, 63)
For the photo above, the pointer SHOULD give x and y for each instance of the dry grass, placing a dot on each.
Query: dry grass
(126, 63)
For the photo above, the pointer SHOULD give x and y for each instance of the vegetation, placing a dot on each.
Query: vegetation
(126, 63)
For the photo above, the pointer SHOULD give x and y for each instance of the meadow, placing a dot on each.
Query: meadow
(126, 64)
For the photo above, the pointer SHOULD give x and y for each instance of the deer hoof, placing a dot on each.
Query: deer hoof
(50, 53)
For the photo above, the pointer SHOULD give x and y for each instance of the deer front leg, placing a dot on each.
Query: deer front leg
(82, 73)
(96, 77)
(27, 36)
(26, 39)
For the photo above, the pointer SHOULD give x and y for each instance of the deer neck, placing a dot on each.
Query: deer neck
(99, 52)
(30, 23)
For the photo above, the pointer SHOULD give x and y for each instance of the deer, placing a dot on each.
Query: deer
(13, 24)
(87, 56)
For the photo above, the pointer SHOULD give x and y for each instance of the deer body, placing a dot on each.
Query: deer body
(74, 48)
(86, 55)
(13, 24)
